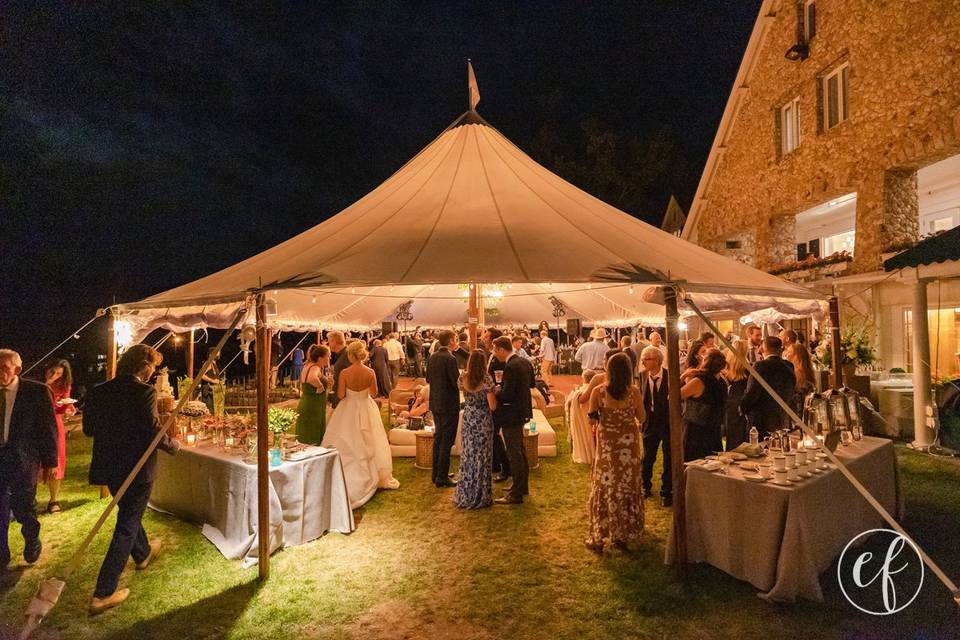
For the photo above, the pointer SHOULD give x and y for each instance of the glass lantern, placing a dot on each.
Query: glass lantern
(819, 416)
(840, 413)
(852, 399)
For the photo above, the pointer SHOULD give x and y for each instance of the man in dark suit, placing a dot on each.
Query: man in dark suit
(654, 388)
(443, 378)
(28, 443)
(762, 411)
(514, 408)
(754, 337)
(501, 464)
(121, 416)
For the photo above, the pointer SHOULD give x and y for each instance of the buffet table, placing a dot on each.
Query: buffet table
(780, 539)
(217, 490)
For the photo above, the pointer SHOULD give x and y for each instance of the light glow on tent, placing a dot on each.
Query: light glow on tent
(123, 334)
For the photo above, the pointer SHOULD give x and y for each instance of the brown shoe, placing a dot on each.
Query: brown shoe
(99, 605)
(154, 550)
(508, 500)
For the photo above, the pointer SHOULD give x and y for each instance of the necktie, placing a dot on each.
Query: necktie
(3, 416)
(653, 391)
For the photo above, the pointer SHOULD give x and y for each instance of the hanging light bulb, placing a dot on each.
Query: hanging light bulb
(123, 334)
(589, 285)
(353, 290)
(275, 292)
(313, 300)
(630, 290)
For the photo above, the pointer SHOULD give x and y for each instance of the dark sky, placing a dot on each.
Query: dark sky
(143, 145)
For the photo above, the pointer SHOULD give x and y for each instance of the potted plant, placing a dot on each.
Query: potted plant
(855, 348)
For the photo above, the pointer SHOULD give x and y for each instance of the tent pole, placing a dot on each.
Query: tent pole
(318, 336)
(472, 316)
(676, 431)
(263, 398)
(836, 352)
(111, 369)
(190, 356)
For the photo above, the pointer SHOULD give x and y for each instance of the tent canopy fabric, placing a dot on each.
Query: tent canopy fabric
(472, 207)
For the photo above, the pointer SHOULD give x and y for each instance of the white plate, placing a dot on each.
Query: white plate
(754, 477)
(785, 483)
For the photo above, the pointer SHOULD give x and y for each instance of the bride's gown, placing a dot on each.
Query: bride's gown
(356, 430)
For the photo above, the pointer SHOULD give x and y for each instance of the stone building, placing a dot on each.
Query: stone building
(839, 146)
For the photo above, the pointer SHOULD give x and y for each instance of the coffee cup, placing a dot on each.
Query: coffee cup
(793, 474)
(791, 460)
(780, 463)
(780, 476)
(801, 457)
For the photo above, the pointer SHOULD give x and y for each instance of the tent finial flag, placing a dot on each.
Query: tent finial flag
(473, 90)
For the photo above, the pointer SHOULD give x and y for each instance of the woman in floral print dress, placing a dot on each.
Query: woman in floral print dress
(616, 495)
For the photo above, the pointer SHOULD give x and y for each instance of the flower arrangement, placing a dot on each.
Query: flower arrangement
(854, 345)
(278, 421)
(810, 262)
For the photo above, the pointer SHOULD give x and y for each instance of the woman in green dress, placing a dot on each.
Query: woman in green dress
(312, 410)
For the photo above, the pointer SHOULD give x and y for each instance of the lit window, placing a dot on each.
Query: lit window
(839, 242)
(809, 20)
(835, 92)
(790, 126)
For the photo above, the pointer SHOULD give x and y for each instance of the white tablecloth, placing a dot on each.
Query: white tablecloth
(780, 539)
(206, 486)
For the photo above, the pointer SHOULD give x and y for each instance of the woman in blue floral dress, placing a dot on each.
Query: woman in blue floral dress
(474, 489)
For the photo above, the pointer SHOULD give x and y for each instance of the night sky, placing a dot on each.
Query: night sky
(144, 145)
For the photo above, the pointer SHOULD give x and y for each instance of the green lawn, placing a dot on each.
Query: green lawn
(418, 568)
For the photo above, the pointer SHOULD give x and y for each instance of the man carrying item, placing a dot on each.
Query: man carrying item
(514, 408)
(28, 443)
(654, 389)
(761, 409)
(121, 417)
(443, 378)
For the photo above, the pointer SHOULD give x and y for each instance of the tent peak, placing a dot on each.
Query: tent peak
(468, 117)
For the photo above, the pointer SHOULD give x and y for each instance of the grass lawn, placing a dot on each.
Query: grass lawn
(418, 568)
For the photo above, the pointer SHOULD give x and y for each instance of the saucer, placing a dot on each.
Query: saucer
(785, 483)
(754, 477)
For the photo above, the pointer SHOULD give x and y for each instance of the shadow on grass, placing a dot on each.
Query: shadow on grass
(10, 578)
(211, 617)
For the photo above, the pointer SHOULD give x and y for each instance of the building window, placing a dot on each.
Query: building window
(809, 20)
(943, 325)
(835, 91)
(836, 243)
(790, 126)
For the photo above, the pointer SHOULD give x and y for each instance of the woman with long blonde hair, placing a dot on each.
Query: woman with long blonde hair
(735, 425)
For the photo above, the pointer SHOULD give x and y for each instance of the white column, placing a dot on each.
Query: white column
(922, 405)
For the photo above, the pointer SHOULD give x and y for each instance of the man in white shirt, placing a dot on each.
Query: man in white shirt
(548, 355)
(395, 358)
(754, 340)
(657, 341)
(591, 354)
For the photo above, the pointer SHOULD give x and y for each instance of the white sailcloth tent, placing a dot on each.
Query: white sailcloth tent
(471, 207)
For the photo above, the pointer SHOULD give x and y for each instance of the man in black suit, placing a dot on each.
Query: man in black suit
(121, 416)
(514, 408)
(28, 443)
(654, 388)
(501, 464)
(443, 378)
(762, 411)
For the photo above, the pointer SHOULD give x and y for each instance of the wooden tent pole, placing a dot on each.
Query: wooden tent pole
(473, 312)
(676, 431)
(318, 336)
(111, 369)
(836, 352)
(263, 445)
(112, 347)
(190, 356)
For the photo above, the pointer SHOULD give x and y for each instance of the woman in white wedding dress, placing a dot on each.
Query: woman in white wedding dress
(356, 431)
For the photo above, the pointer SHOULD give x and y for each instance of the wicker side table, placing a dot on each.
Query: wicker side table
(424, 459)
(531, 444)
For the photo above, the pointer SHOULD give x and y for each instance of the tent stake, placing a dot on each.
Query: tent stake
(263, 401)
(676, 431)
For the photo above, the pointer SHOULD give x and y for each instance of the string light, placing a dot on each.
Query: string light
(630, 290)
(123, 333)
(313, 300)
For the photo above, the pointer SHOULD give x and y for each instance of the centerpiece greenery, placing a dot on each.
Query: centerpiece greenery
(855, 347)
(279, 420)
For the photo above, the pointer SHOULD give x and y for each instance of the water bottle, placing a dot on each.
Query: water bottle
(532, 426)
(754, 436)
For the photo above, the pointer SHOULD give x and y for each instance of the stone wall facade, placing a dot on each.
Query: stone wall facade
(904, 113)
